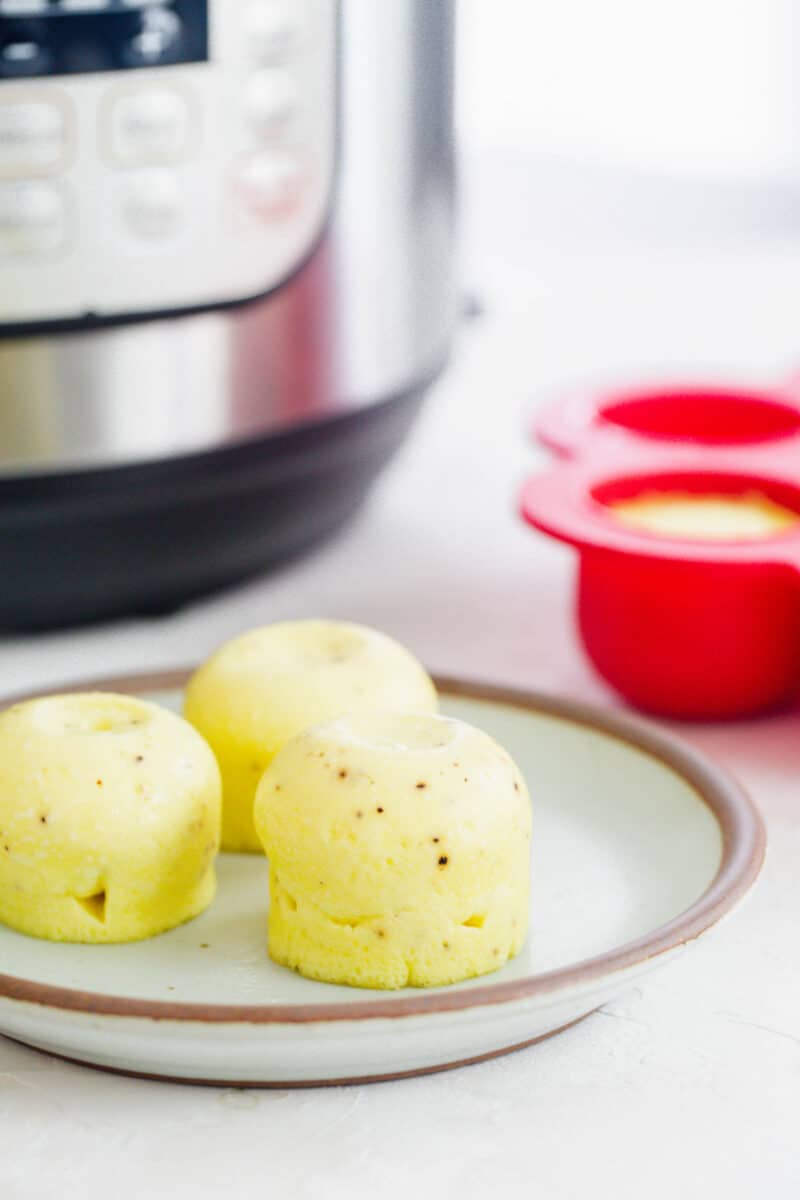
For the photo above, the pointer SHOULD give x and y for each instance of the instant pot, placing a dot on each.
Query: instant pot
(226, 280)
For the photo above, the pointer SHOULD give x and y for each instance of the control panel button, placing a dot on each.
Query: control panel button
(271, 185)
(149, 126)
(33, 220)
(271, 104)
(33, 137)
(21, 56)
(158, 39)
(153, 203)
(271, 30)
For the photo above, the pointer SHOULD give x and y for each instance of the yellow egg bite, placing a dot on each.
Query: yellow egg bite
(701, 516)
(399, 851)
(109, 818)
(264, 687)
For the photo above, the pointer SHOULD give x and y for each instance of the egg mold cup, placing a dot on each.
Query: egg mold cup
(681, 414)
(697, 629)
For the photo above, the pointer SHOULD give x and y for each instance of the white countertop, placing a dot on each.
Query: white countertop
(690, 1084)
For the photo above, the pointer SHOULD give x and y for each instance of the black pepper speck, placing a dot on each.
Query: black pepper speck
(443, 860)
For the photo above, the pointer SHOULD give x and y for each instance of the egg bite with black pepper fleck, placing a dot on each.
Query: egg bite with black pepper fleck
(267, 685)
(109, 818)
(399, 852)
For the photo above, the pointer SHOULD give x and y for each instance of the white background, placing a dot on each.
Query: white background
(702, 86)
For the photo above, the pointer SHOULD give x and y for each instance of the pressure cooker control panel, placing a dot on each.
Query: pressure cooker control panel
(160, 156)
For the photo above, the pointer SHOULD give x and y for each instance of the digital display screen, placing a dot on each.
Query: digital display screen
(70, 37)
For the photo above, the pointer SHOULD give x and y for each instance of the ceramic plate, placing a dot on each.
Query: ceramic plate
(640, 846)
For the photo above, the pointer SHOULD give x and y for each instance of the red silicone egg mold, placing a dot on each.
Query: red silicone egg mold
(683, 628)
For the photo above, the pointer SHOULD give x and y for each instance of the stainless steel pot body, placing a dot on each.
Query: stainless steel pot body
(367, 317)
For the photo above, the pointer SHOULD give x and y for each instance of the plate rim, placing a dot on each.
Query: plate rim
(743, 850)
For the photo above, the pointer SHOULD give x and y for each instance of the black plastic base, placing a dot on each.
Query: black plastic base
(148, 538)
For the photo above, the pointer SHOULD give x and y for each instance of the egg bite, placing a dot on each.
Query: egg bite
(399, 852)
(109, 818)
(264, 687)
(698, 516)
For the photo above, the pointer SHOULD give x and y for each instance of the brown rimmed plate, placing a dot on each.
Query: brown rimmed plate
(640, 847)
